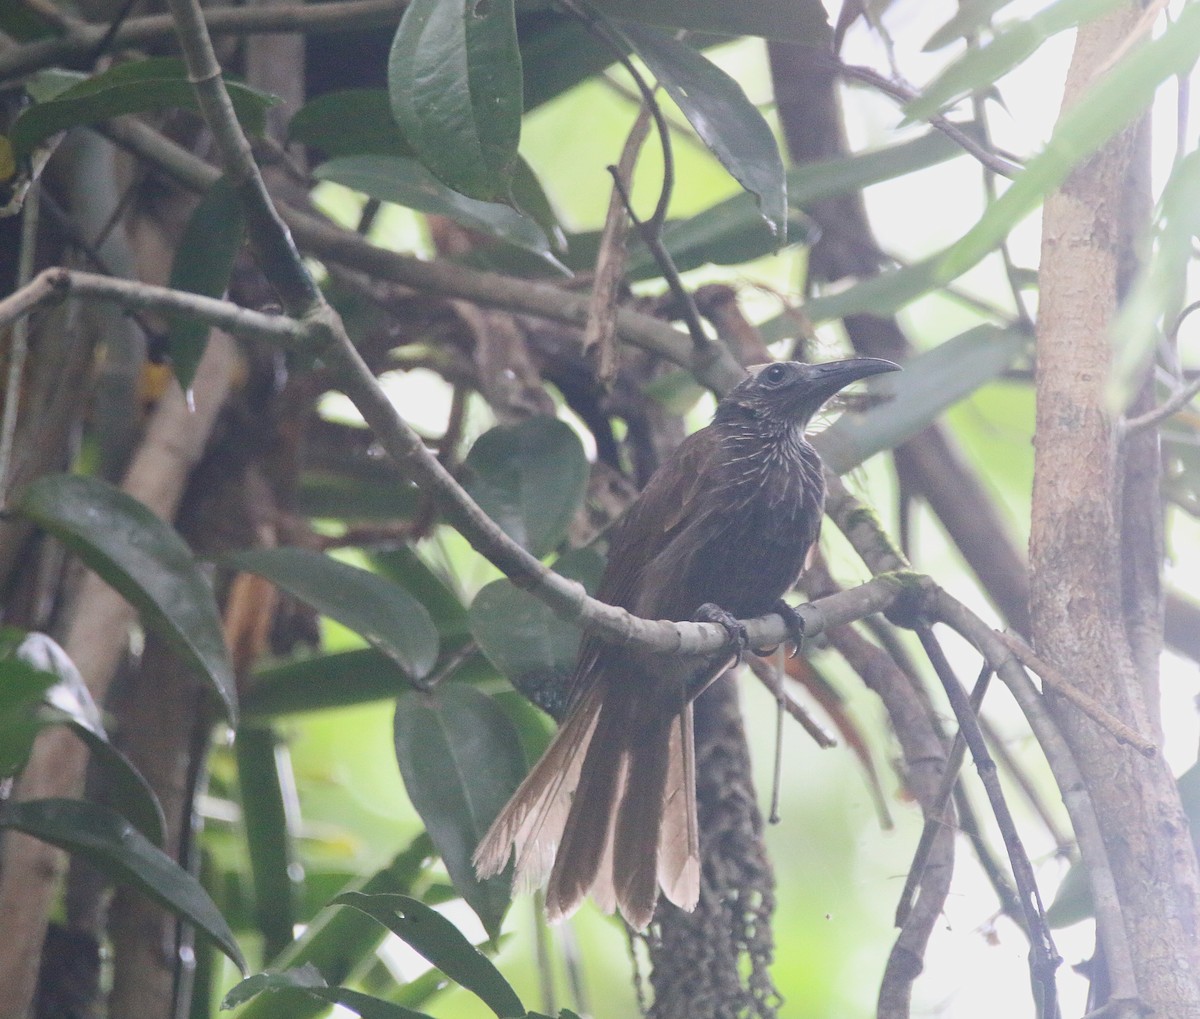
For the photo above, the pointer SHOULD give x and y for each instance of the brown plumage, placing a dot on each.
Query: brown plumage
(728, 520)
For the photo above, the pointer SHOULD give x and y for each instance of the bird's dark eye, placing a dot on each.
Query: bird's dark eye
(775, 373)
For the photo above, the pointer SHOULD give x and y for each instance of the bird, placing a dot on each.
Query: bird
(721, 531)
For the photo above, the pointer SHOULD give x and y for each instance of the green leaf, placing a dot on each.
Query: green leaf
(144, 560)
(1158, 292)
(138, 86)
(382, 613)
(912, 399)
(981, 67)
(111, 844)
(461, 760)
(434, 590)
(22, 689)
(971, 17)
(530, 478)
(69, 702)
(719, 112)
(557, 53)
(525, 640)
(24, 24)
(300, 977)
(264, 775)
(307, 980)
(353, 122)
(363, 491)
(406, 182)
(773, 19)
(827, 178)
(439, 941)
(732, 231)
(454, 79)
(323, 681)
(337, 942)
(203, 264)
(883, 294)
(1111, 103)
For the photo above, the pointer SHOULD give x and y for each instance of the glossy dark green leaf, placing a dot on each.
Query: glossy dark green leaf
(23, 24)
(323, 681)
(69, 702)
(1112, 102)
(111, 844)
(530, 478)
(145, 560)
(913, 399)
(557, 53)
(366, 1005)
(434, 590)
(733, 231)
(362, 492)
(337, 942)
(382, 613)
(300, 977)
(264, 778)
(203, 264)
(454, 79)
(719, 112)
(406, 182)
(527, 642)
(22, 690)
(773, 19)
(352, 122)
(307, 981)
(138, 86)
(461, 760)
(439, 941)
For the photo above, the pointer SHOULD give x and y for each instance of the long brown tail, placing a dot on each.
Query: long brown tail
(530, 827)
(609, 809)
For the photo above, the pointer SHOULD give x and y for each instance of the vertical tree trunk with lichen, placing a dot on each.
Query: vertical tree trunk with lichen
(1077, 553)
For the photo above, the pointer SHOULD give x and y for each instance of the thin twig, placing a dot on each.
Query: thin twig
(769, 676)
(937, 817)
(650, 230)
(651, 236)
(600, 333)
(714, 366)
(993, 161)
(1171, 406)
(1043, 957)
(81, 39)
(1056, 681)
(18, 336)
(1110, 923)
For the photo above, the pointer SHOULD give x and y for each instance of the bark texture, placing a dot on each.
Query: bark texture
(1076, 553)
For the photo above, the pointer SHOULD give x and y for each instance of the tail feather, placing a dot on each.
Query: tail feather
(589, 824)
(678, 837)
(639, 818)
(531, 824)
(610, 810)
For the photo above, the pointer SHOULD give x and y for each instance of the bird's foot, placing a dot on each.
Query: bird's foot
(710, 613)
(794, 623)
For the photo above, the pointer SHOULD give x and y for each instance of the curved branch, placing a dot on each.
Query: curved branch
(83, 38)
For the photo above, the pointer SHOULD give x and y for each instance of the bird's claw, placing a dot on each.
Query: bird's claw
(710, 613)
(794, 623)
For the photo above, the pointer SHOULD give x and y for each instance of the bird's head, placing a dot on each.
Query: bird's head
(786, 394)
